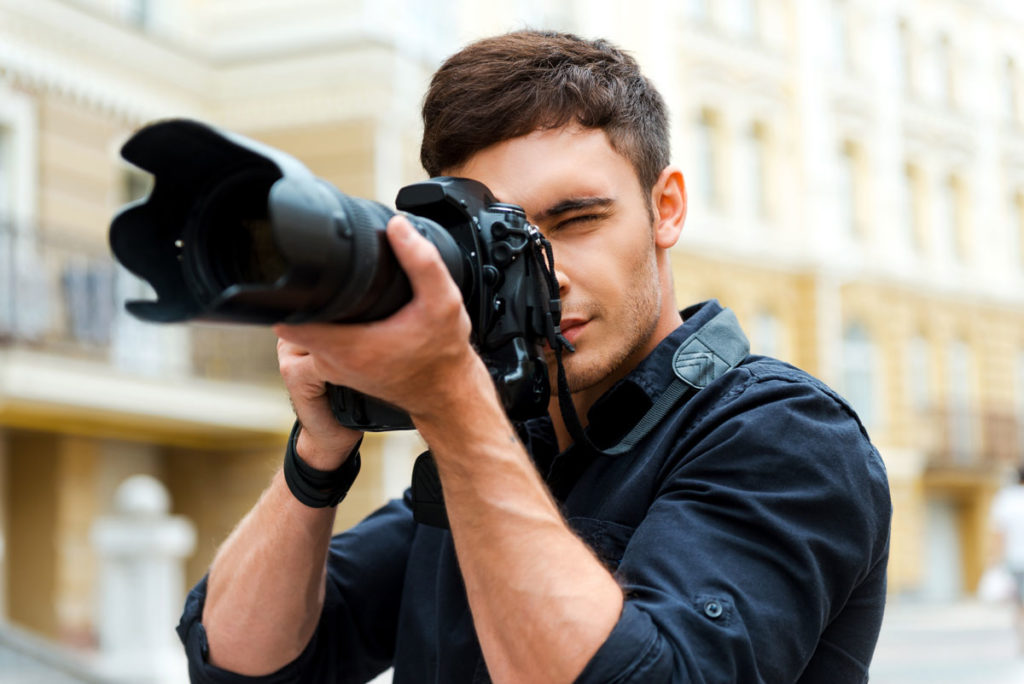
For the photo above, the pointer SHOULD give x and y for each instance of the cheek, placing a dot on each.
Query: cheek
(606, 261)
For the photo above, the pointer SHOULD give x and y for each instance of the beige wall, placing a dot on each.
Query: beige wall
(79, 177)
(341, 153)
(32, 523)
(750, 290)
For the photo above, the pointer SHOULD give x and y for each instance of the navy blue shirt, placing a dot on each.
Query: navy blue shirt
(749, 531)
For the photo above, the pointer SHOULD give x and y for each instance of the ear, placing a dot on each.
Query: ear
(668, 197)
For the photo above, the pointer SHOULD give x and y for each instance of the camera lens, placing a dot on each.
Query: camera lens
(232, 242)
(248, 253)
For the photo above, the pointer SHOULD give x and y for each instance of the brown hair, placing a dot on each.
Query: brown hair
(507, 86)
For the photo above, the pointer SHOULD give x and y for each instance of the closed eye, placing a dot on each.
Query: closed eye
(581, 219)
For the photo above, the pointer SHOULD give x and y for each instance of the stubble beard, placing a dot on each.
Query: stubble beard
(643, 307)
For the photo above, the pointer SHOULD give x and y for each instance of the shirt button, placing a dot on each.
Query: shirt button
(713, 609)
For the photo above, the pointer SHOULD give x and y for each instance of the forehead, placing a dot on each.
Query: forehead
(547, 166)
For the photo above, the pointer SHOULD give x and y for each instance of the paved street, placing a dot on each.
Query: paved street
(964, 643)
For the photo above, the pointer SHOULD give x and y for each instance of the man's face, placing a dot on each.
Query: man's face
(586, 199)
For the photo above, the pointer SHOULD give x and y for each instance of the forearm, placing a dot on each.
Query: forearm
(266, 585)
(542, 603)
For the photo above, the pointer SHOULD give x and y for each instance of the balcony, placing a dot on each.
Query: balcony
(971, 443)
(68, 348)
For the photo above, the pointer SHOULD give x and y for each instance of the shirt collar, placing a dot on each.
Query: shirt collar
(654, 374)
(615, 413)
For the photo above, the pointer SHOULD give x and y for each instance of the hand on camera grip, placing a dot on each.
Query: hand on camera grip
(323, 442)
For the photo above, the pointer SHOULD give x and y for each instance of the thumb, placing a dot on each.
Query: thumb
(418, 257)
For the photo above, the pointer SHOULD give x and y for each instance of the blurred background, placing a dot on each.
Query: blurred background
(856, 180)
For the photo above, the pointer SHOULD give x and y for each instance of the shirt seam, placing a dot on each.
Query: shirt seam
(755, 379)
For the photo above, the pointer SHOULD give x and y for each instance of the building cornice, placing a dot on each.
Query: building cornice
(52, 47)
(55, 47)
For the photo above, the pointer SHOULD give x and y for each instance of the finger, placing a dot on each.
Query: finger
(419, 258)
(287, 348)
(312, 336)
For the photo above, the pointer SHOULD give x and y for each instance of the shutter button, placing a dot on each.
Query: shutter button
(713, 609)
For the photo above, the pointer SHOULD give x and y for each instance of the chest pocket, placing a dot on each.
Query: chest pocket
(607, 539)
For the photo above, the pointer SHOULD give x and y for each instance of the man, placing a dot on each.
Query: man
(743, 536)
(1008, 519)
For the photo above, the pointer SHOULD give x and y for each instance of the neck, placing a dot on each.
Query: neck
(585, 399)
(669, 319)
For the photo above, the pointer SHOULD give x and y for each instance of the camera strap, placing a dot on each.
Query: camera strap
(706, 355)
(714, 349)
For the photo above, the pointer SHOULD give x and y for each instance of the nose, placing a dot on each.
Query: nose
(563, 281)
(560, 274)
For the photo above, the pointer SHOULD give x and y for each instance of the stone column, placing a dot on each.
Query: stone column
(142, 553)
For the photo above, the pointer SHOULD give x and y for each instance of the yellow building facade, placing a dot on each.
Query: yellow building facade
(856, 180)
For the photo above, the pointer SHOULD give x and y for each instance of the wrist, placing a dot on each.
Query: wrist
(317, 487)
(325, 453)
(466, 388)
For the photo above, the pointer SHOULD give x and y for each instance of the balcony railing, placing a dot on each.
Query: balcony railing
(65, 295)
(964, 439)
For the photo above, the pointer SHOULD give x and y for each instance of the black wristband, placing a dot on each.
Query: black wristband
(314, 487)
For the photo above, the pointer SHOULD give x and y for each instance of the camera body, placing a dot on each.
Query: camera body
(504, 293)
(236, 231)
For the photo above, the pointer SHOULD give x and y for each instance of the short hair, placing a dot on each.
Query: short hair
(508, 86)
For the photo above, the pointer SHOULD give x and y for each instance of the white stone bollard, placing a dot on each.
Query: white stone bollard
(142, 551)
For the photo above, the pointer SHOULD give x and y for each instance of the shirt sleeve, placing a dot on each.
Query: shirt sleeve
(355, 638)
(774, 510)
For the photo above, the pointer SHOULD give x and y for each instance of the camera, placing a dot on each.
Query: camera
(237, 231)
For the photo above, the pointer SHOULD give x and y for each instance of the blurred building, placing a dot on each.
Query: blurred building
(856, 180)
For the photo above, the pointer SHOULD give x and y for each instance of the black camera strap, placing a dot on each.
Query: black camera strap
(717, 347)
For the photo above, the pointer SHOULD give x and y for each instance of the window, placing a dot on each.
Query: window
(910, 207)
(841, 58)
(6, 180)
(957, 190)
(139, 347)
(943, 78)
(859, 372)
(961, 432)
(766, 333)
(919, 386)
(706, 162)
(138, 13)
(751, 166)
(88, 291)
(697, 10)
(744, 18)
(946, 218)
(7, 256)
(1020, 399)
(1017, 229)
(1010, 90)
(848, 218)
(912, 194)
(904, 62)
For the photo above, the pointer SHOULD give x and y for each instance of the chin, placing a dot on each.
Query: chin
(582, 375)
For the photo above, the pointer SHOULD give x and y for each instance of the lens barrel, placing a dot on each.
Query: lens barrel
(237, 231)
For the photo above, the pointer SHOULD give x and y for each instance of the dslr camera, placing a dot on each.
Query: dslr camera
(236, 231)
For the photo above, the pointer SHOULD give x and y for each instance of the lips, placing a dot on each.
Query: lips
(572, 328)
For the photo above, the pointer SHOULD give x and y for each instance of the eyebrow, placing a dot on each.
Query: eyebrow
(574, 204)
